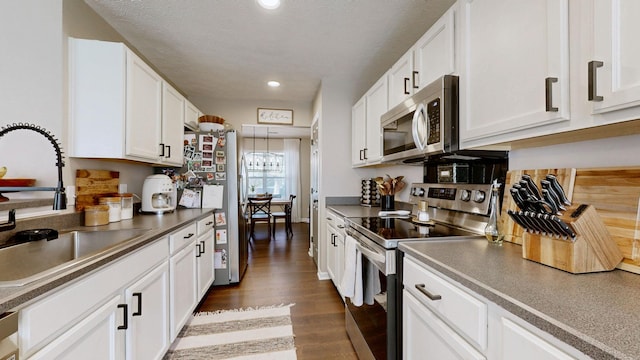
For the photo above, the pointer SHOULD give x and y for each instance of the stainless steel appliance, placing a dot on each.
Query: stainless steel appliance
(423, 125)
(456, 211)
(235, 249)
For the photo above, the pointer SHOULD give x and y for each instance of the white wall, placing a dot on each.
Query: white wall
(610, 152)
(31, 73)
(246, 111)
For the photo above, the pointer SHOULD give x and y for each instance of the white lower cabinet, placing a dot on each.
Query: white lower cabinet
(441, 319)
(204, 258)
(148, 307)
(428, 337)
(182, 270)
(205, 249)
(95, 337)
(92, 316)
(335, 249)
(133, 308)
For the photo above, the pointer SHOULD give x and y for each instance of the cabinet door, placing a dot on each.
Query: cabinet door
(182, 288)
(206, 272)
(144, 110)
(433, 54)
(615, 45)
(95, 337)
(517, 79)
(172, 126)
(376, 105)
(519, 343)
(401, 84)
(331, 254)
(191, 114)
(148, 302)
(358, 132)
(425, 336)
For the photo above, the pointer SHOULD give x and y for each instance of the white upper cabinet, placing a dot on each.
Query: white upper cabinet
(358, 132)
(120, 108)
(366, 133)
(376, 106)
(515, 72)
(431, 57)
(173, 112)
(191, 114)
(433, 53)
(400, 79)
(143, 109)
(614, 69)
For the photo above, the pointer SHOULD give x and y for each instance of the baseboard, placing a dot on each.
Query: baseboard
(323, 275)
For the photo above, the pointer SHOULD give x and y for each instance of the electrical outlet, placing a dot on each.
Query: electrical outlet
(122, 188)
(70, 191)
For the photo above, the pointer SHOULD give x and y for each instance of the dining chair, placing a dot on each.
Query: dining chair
(286, 215)
(259, 211)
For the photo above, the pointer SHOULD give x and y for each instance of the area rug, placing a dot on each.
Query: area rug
(253, 333)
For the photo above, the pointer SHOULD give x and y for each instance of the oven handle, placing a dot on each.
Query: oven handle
(378, 259)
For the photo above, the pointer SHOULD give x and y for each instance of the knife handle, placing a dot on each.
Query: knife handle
(531, 185)
(555, 184)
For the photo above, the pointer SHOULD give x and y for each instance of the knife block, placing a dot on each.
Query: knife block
(592, 250)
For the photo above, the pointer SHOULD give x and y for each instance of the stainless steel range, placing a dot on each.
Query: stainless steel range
(373, 309)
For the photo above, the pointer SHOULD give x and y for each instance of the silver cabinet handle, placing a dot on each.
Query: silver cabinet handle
(593, 80)
(423, 290)
(548, 88)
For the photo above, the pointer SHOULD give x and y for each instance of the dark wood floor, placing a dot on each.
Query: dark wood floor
(280, 271)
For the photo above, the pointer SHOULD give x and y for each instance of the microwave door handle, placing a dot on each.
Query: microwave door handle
(420, 111)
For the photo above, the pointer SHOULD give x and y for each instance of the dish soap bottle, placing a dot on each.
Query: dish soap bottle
(493, 231)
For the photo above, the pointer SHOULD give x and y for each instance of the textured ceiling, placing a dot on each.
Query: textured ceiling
(228, 49)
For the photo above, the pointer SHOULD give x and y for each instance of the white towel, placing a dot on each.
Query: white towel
(351, 282)
(372, 283)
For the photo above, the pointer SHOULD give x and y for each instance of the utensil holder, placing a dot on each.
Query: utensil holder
(592, 250)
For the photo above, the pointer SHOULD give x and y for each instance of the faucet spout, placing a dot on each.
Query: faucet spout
(11, 224)
(60, 200)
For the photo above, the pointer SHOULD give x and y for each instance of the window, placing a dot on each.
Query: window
(266, 173)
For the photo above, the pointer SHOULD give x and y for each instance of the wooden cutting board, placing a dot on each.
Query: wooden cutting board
(92, 184)
(614, 193)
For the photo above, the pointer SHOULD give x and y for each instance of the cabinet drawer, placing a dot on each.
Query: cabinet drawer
(204, 225)
(182, 238)
(461, 310)
(42, 321)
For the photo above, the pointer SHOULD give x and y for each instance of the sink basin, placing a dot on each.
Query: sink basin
(31, 261)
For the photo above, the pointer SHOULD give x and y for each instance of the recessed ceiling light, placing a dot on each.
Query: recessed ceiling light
(269, 4)
(273, 83)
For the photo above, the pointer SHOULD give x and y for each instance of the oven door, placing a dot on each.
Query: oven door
(371, 319)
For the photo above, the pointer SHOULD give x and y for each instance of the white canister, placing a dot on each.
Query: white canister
(126, 204)
(115, 207)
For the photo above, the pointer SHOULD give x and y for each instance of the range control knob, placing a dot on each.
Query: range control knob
(465, 195)
(479, 196)
(417, 191)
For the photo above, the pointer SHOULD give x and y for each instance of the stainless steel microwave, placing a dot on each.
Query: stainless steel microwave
(425, 124)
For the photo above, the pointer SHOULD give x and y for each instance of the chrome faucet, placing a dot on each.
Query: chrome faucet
(59, 199)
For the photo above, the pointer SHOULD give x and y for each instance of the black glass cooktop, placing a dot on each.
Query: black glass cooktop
(389, 231)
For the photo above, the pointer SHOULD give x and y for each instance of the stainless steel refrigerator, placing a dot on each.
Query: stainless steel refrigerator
(236, 246)
(231, 228)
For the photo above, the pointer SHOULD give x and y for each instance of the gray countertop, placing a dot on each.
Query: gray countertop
(595, 313)
(160, 225)
(354, 210)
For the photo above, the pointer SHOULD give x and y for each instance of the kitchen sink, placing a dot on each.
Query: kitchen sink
(27, 262)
